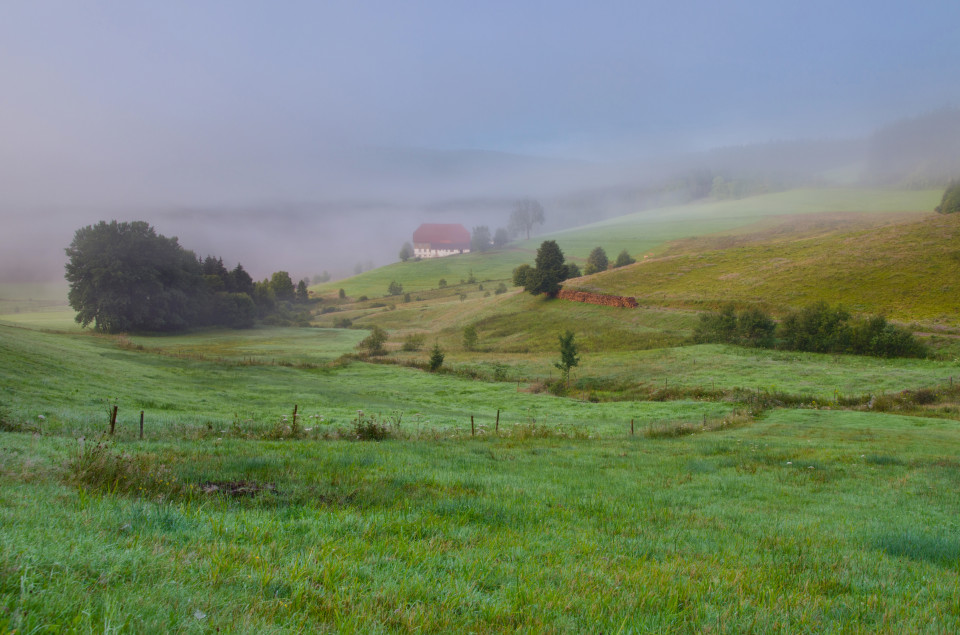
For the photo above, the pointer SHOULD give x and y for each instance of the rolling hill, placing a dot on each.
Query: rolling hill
(901, 266)
(638, 233)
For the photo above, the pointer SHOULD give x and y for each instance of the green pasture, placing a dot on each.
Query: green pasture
(638, 233)
(713, 367)
(72, 381)
(907, 271)
(32, 297)
(272, 345)
(805, 521)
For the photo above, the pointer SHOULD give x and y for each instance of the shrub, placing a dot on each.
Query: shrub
(395, 288)
(750, 327)
(342, 294)
(373, 343)
(501, 288)
(97, 467)
(520, 275)
(623, 259)
(558, 388)
(716, 326)
(755, 328)
(818, 328)
(413, 342)
(469, 338)
(950, 204)
(443, 283)
(362, 298)
(596, 261)
(329, 309)
(342, 323)
(371, 428)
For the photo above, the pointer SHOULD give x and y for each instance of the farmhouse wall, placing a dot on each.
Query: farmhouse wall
(597, 298)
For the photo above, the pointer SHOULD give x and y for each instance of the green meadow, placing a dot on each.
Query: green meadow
(668, 487)
(638, 233)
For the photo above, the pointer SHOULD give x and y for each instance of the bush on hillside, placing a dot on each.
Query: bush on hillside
(623, 259)
(596, 261)
(413, 342)
(818, 328)
(950, 204)
(520, 275)
(470, 338)
(373, 343)
(750, 327)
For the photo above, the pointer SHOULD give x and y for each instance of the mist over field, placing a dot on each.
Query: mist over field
(311, 138)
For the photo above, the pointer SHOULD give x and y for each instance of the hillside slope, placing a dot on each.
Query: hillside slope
(901, 266)
(638, 233)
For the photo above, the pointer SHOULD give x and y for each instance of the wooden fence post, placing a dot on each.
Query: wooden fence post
(113, 420)
(497, 428)
(631, 427)
(294, 425)
(141, 425)
(472, 429)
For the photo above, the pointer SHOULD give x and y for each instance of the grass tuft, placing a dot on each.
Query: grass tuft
(97, 467)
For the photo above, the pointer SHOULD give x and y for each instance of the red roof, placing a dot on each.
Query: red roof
(451, 235)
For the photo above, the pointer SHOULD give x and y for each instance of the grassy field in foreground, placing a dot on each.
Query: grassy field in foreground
(71, 380)
(806, 521)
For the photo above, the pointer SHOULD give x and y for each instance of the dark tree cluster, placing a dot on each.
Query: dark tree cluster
(124, 276)
(597, 261)
(818, 328)
(548, 272)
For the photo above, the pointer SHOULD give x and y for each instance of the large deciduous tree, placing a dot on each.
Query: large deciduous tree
(527, 213)
(125, 276)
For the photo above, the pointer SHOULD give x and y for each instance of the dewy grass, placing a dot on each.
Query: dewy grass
(941, 549)
(772, 526)
(228, 517)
